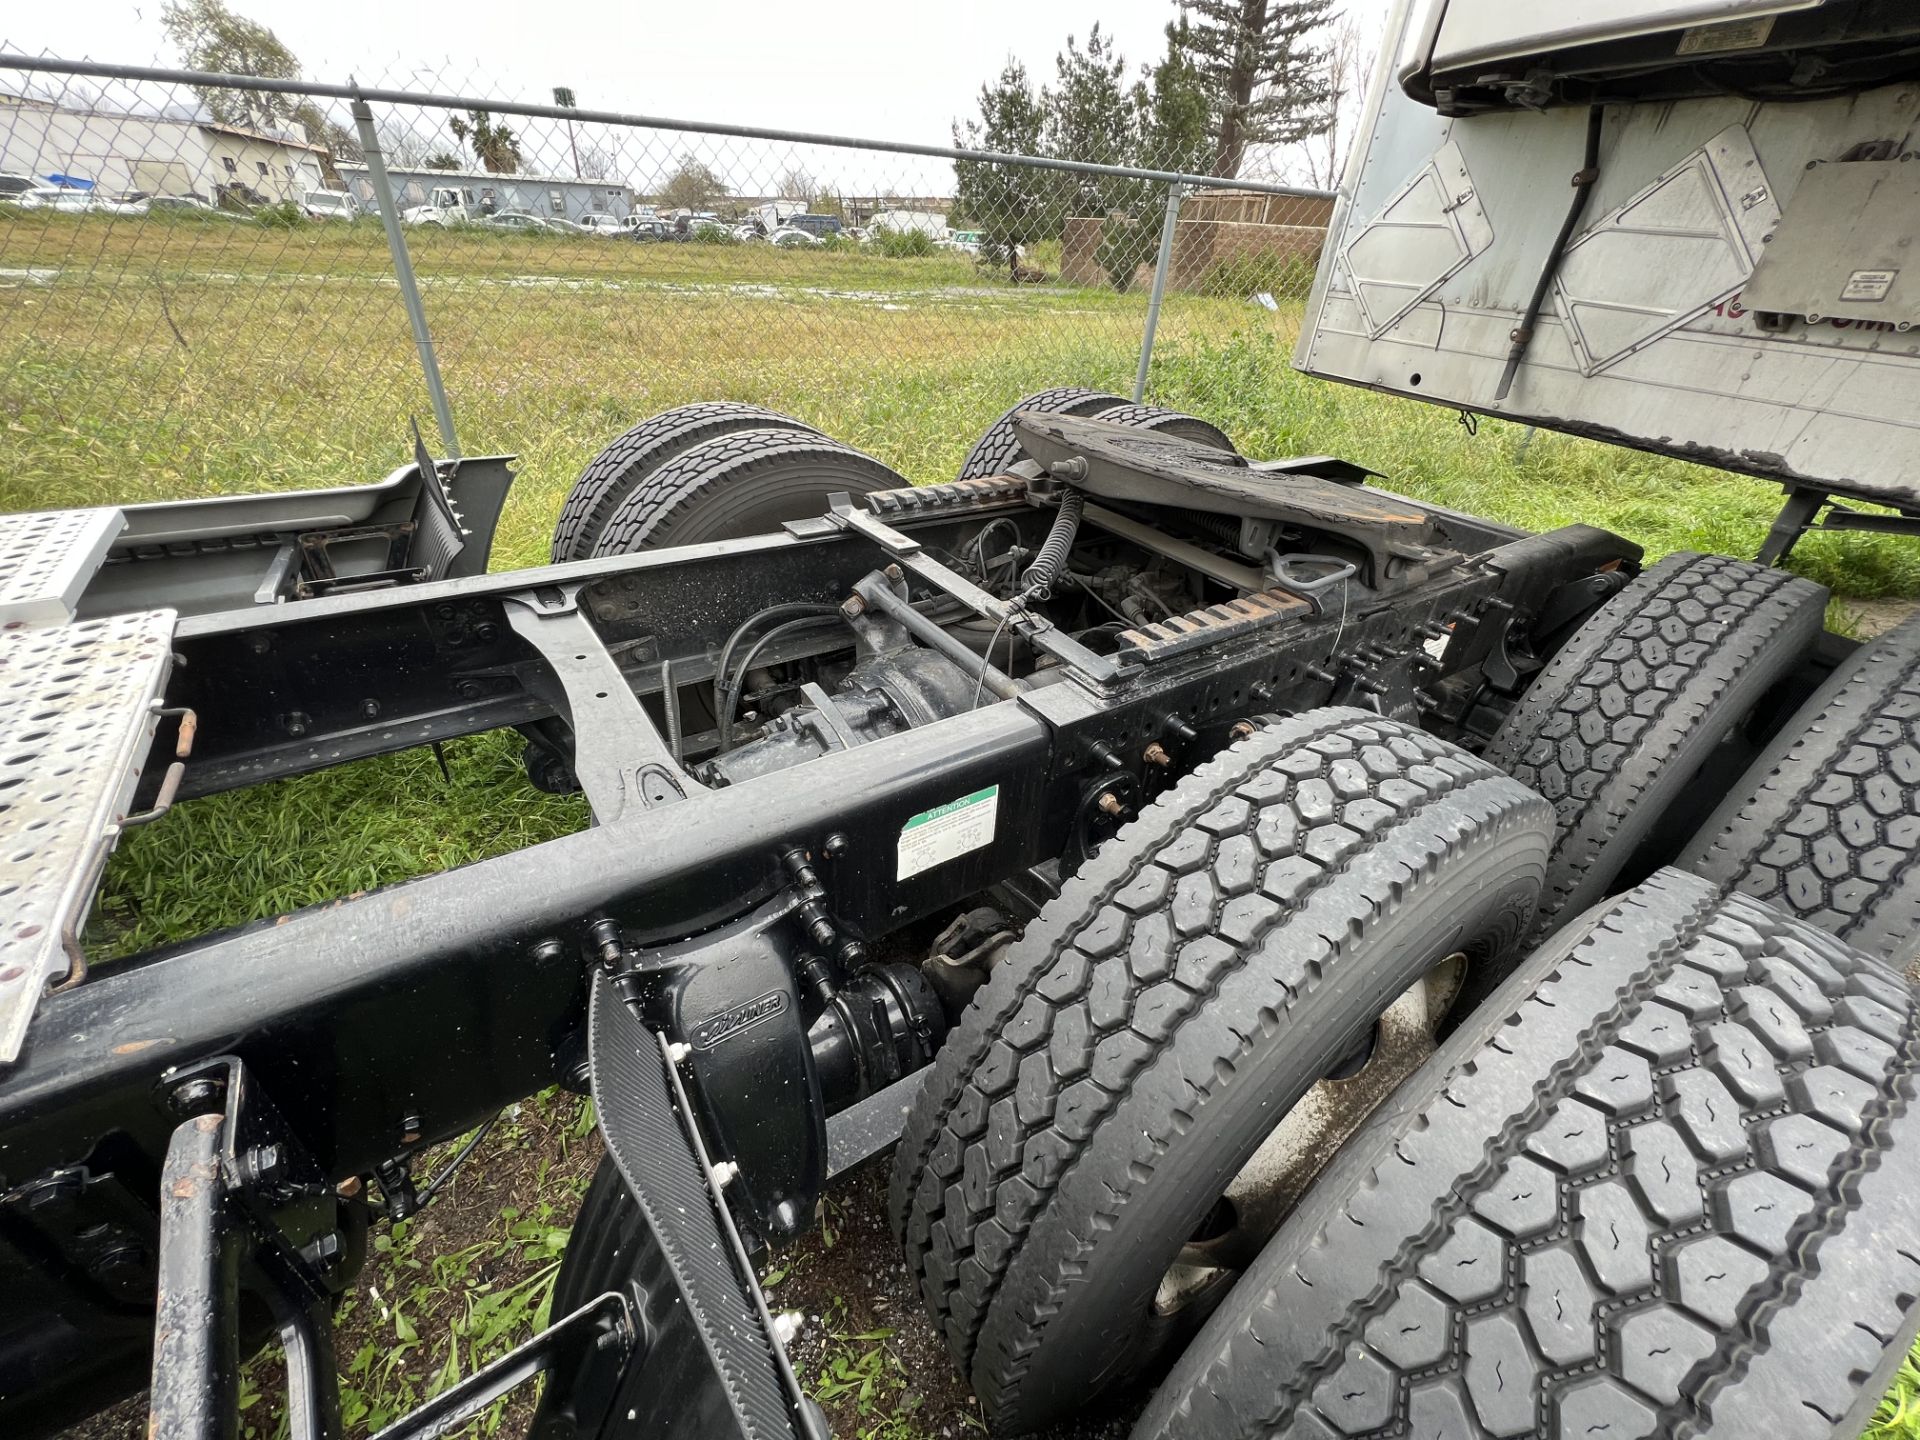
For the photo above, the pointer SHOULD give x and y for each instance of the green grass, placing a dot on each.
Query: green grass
(201, 358)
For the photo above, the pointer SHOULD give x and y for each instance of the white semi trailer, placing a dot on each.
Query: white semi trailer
(1687, 226)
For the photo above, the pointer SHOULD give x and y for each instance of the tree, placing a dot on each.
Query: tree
(493, 143)
(1348, 64)
(209, 36)
(1091, 115)
(796, 184)
(1266, 77)
(1174, 112)
(694, 186)
(442, 160)
(594, 163)
(1007, 204)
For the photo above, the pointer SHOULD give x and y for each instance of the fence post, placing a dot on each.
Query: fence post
(403, 272)
(1175, 193)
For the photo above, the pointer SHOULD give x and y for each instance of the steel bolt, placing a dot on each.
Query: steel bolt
(1156, 754)
(835, 847)
(894, 573)
(322, 1251)
(1110, 804)
(1242, 730)
(468, 689)
(197, 1097)
(370, 708)
(853, 607)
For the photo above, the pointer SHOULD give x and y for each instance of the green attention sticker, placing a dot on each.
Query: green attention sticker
(948, 831)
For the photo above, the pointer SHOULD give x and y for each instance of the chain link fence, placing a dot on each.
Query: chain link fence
(210, 285)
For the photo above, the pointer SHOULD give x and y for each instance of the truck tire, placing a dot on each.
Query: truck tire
(1826, 825)
(745, 483)
(1162, 1015)
(1176, 423)
(1660, 1186)
(1620, 722)
(999, 448)
(612, 474)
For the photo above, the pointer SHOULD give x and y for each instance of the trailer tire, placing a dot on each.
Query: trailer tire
(1211, 963)
(999, 448)
(745, 483)
(627, 461)
(1660, 1185)
(1826, 824)
(1620, 722)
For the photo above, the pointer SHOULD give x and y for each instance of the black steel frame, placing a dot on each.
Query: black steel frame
(333, 1041)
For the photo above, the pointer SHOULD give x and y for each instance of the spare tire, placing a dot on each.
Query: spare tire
(627, 461)
(1826, 825)
(1163, 1014)
(1661, 1185)
(1617, 726)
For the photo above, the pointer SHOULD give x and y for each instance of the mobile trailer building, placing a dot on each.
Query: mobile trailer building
(564, 197)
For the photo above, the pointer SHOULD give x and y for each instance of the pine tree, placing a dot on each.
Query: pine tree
(1175, 116)
(1266, 75)
(1008, 204)
(1091, 114)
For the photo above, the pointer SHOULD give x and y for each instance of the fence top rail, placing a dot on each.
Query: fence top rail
(211, 79)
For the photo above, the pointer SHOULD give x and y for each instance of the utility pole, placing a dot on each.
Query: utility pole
(563, 97)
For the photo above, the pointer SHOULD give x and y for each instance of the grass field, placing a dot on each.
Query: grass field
(153, 361)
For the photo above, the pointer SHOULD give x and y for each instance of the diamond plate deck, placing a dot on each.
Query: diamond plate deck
(46, 559)
(76, 718)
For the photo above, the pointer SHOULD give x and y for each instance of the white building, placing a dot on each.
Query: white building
(156, 154)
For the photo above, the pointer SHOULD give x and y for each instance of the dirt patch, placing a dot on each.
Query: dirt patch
(866, 1350)
(1876, 617)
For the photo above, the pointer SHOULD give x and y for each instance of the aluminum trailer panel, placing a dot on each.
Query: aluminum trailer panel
(1649, 336)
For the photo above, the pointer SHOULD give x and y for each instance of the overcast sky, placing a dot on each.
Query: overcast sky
(897, 69)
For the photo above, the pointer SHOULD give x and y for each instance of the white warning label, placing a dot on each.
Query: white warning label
(1727, 35)
(1870, 284)
(948, 831)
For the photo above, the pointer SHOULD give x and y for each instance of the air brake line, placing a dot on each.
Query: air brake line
(1583, 183)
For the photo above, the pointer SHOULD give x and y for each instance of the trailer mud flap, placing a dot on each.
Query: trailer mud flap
(712, 1365)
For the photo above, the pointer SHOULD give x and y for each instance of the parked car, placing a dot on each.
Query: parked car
(13, 186)
(649, 232)
(818, 226)
(79, 202)
(194, 205)
(607, 226)
(521, 220)
(330, 205)
(788, 238)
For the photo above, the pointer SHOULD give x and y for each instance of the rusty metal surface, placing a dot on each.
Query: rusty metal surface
(952, 497)
(1149, 468)
(1199, 628)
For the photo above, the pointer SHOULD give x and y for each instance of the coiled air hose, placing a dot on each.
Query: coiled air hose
(1036, 582)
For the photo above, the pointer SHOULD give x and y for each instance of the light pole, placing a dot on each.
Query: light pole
(563, 97)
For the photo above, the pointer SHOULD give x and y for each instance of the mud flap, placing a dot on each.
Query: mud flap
(711, 1365)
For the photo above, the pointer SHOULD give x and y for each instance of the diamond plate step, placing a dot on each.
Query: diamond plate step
(46, 559)
(77, 715)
